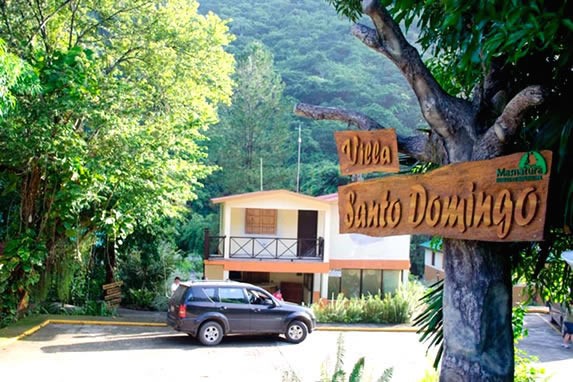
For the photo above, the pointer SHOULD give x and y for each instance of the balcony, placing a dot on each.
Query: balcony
(263, 248)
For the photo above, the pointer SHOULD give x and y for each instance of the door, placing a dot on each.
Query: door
(266, 317)
(307, 233)
(234, 305)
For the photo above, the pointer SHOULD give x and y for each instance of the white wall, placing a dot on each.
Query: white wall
(356, 246)
(439, 259)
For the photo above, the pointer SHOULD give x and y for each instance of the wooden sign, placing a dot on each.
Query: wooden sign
(502, 199)
(112, 293)
(367, 151)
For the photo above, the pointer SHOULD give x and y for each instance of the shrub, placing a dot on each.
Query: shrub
(139, 298)
(391, 309)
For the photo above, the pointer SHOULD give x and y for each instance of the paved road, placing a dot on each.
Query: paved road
(105, 353)
(544, 342)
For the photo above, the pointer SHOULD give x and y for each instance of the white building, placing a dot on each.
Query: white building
(281, 239)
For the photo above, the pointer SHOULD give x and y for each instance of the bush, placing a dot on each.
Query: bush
(160, 303)
(139, 298)
(394, 308)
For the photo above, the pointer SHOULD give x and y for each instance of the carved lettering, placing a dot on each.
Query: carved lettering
(349, 216)
(365, 153)
(502, 213)
(527, 203)
(418, 199)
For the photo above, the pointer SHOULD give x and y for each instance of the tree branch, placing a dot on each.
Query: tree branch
(42, 21)
(507, 124)
(124, 57)
(416, 146)
(110, 17)
(361, 121)
(387, 38)
(74, 9)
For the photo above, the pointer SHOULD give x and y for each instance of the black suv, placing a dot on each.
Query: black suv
(209, 310)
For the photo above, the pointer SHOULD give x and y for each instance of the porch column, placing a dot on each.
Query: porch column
(227, 230)
(327, 235)
(324, 285)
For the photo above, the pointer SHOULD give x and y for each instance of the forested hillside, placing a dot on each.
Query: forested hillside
(318, 59)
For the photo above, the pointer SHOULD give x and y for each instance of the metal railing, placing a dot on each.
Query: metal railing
(248, 247)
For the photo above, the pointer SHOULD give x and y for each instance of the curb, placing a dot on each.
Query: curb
(365, 329)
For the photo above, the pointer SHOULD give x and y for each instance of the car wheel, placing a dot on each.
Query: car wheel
(210, 334)
(296, 332)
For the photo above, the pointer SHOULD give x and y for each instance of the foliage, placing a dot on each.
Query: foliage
(517, 317)
(16, 77)
(339, 374)
(255, 127)
(148, 268)
(321, 178)
(109, 141)
(525, 371)
(191, 231)
(430, 320)
(139, 298)
(390, 309)
(321, 63)
(552, 277)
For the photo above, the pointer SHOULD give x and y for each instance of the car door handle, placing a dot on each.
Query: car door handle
(222, 308)
(256, 310)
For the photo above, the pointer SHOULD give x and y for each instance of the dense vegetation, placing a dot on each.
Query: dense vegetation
(103, 105)
(103, 143)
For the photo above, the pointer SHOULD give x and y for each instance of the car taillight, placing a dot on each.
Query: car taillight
(182, 311)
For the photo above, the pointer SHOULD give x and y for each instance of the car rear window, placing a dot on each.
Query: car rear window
(199, 294)
(178, 294)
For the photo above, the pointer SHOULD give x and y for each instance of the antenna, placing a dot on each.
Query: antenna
(298, 162)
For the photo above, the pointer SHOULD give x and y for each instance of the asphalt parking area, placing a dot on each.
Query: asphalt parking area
(61, 352)
(89, 353)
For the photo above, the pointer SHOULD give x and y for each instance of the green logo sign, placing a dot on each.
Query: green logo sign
(532, 166)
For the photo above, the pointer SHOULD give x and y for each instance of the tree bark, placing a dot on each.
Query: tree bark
(478, 339)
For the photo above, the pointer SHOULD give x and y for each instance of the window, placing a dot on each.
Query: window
(361, 282)
(371, 281)
(333, 287)
(433, 258)
(261, 221)
(350, 283)
(391, 281)
(201, 294)
(232, 295)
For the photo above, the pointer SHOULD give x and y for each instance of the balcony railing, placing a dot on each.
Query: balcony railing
(264, 248)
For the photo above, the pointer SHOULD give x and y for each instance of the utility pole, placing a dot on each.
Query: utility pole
(298, 162)
(261, 173)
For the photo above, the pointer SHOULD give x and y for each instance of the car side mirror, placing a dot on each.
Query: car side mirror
(269, 302)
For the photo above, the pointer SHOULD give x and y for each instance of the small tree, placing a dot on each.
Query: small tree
(255, 127)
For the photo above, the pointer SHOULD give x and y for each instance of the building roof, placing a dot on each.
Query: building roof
(428, 245)
(265, 194)
(329, 197)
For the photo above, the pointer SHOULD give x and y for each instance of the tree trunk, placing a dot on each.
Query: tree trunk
(478, 338)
